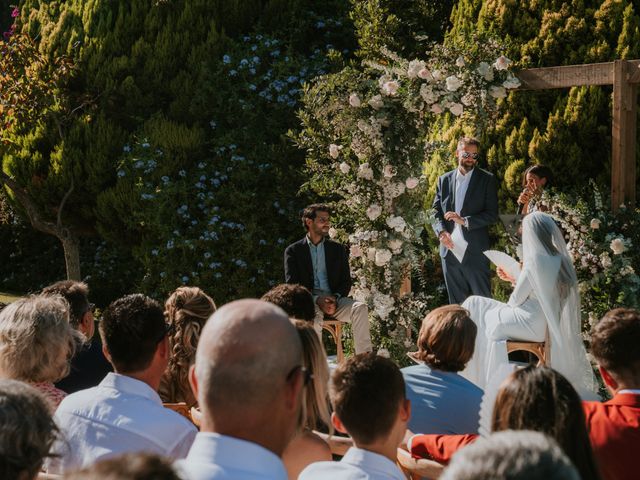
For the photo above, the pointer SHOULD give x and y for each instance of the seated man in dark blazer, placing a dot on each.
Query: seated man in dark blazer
(322, 266)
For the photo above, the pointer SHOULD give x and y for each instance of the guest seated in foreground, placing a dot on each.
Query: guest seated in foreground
(614, 426)
(294, 299)
(130, 466)
(186, 311)
(27, 430)
(124, 412)
(532, 398)
(441, 400)
(368, 397)
(248, 379)
(88, 365)
(37, 343)
(522, 455)
(306, 447)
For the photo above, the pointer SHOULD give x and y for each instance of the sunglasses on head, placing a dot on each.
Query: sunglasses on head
(472, 155)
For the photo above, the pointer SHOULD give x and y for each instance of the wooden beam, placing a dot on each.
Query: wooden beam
(623, 134)
(574, 75)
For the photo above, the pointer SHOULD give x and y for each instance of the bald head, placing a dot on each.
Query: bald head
(245, 353)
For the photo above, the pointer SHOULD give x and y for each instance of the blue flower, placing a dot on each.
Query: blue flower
(138, 164)
(252, 87)
(233, 73)
(165, 179)
(226, 59)
(121, 173)
(244, 62)
(182, 173)
(275, 53)
(207, 255)
(252, 71)
(213, 124)
(154, 252)
(147, 196)
(170, 244)
(185, 279)
(319, 24)
(256, 59)
(254, 48)
(126, 148)
(145, 145)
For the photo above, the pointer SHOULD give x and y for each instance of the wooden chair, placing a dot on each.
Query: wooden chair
(180, 408)
(334, 327)
(416, 469)
(539, 349)
(338, 445)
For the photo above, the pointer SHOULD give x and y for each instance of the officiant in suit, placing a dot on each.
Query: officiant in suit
(322, 266)
(466, 199)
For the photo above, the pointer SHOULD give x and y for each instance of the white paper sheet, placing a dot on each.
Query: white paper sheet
(459, 243)
(504, 261)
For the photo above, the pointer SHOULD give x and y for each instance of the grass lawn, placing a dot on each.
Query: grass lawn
(8, 297)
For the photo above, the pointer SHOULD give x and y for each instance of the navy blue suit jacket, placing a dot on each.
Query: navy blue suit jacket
(480, 207)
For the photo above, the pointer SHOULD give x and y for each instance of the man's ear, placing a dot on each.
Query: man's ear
(405, 410)
(337, 423)
(106, 353)
(86, 322)
(163, 348)
(193, 380)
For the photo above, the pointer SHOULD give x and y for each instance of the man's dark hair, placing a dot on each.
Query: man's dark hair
(129, 466)
(28, 431)
(76, 294)
(366, 392)
(447, 338)
(615, 344)
(131, 329)
(311, 211)
(294, 299)
(540, 171)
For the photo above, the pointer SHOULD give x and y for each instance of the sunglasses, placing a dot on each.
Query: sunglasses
(307, 376)
(466, 155)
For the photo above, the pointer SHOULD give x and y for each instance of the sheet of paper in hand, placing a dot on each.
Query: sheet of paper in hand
(504, 261)
(459, 243)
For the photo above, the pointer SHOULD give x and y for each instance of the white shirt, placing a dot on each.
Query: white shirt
(220, 457)
(357, 464)
(462, 184)
(120, 415)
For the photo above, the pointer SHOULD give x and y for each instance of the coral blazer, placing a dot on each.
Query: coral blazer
(614, 431)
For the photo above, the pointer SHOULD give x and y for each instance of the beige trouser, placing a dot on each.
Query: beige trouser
(355, 313)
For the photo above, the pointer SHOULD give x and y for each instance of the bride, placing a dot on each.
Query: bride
(545, 297)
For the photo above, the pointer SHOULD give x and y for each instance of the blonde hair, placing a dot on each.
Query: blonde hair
(316, 398)
(186, 310)
(36, 340)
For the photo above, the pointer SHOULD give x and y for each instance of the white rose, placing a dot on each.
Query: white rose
(390, 87)
(354, 100)
(511, 82)
(397, 223)
(497, 91)
(502, 63)
(395, 246)
(425, 74)
(456, 109)
(411, 183)
(395, 189)
(436, 108)
(334, 150)
(460, 62)
(415, 66)
(371, 254)
(355, 251)
(345, 167)
(374, 211)
(453, 83)
(467, 100)
(383, 257)
(365, 171)
(333, 233)
(605, 261)
(437, 75)
(389, 171)
(426, 92)
(617, 246)
(383, 352)
(595, 224)
(376, 102)
(485, 70)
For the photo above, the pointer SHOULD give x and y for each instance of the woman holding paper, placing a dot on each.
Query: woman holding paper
(545, 298)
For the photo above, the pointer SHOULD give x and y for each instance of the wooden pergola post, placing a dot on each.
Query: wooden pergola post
(624, 75)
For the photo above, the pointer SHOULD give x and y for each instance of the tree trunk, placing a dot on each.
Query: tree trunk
(71, 247)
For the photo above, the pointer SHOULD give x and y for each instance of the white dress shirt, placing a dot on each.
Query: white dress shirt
(357, 464)
(462, 185)
(120, 415)
(220, 457)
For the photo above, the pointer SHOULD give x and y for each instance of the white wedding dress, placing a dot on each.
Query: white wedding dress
(545, 297)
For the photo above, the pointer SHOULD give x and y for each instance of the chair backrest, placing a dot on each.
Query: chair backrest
(418, 468)
(180, 408)
(338, 445)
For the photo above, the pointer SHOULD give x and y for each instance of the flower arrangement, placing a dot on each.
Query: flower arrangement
(365, 132)
(601, 244)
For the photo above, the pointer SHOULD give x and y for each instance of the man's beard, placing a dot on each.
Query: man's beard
(467, 168)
